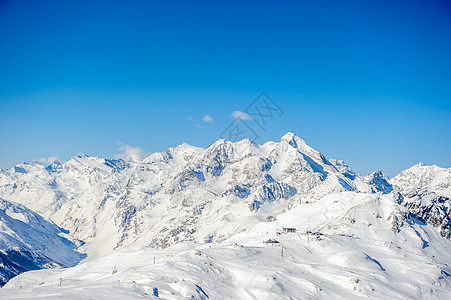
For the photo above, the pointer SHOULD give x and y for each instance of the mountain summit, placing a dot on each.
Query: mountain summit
(196, 193)
(234, 192)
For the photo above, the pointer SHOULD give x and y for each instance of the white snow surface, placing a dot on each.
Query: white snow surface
(181, 194)
(28, 241)
(344, 248)
(421, 178)
(203, 215)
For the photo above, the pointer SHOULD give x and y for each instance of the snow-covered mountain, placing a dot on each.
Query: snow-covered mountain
(346, 245)
(182, 194)
(28, 242)
(421, 178)
(229, 198)
(426, 192)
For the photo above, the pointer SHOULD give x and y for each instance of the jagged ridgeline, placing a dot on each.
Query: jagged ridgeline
(188, 193)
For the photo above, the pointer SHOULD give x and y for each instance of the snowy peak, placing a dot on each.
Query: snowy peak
(233, 196)
(182, 193)
(55, 165)
(296, 142)
(291, 139)
(85, 161)
(421, 178)
(25, 168)
(378, 181)
(186, 188)
(426, 192)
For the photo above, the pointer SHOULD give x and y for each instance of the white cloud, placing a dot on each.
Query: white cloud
(241, 115)
(207, 118)
(48, 160)
(192, 120)
(129, 153)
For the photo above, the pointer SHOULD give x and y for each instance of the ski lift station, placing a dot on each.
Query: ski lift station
(288, 230)
(271, 241)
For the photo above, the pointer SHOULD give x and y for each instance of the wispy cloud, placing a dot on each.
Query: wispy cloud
(193, 120)
(241, 115)
(129, 153)
(207, 118)
(48, 160)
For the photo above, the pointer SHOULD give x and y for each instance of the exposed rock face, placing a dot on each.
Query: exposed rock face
(424, 191)
(188, 193)
(431, 209)
(177, 194)
(378, 182)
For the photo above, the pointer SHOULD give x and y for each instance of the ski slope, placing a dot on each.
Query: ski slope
(344, 247)
(190, 223)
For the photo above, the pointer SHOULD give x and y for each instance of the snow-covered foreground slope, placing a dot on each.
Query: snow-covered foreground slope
(203, 214)
(346, 245)
(29, 242)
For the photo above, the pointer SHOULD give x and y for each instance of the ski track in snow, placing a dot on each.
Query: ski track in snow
(202, 215)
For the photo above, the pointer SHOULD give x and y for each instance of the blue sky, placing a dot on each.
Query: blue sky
(367, 82)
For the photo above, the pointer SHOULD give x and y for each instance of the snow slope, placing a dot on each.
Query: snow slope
(346, 246)
(181, 194)
(357, 235)
(29, 242)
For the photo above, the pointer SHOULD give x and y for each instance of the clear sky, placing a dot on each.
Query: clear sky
(368, 82)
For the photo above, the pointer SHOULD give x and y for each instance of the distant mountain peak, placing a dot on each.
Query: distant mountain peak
(291, 138)
(296, 142)
(195, 194)
(421, 177)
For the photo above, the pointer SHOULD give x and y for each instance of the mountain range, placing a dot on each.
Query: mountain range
(191, 222)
